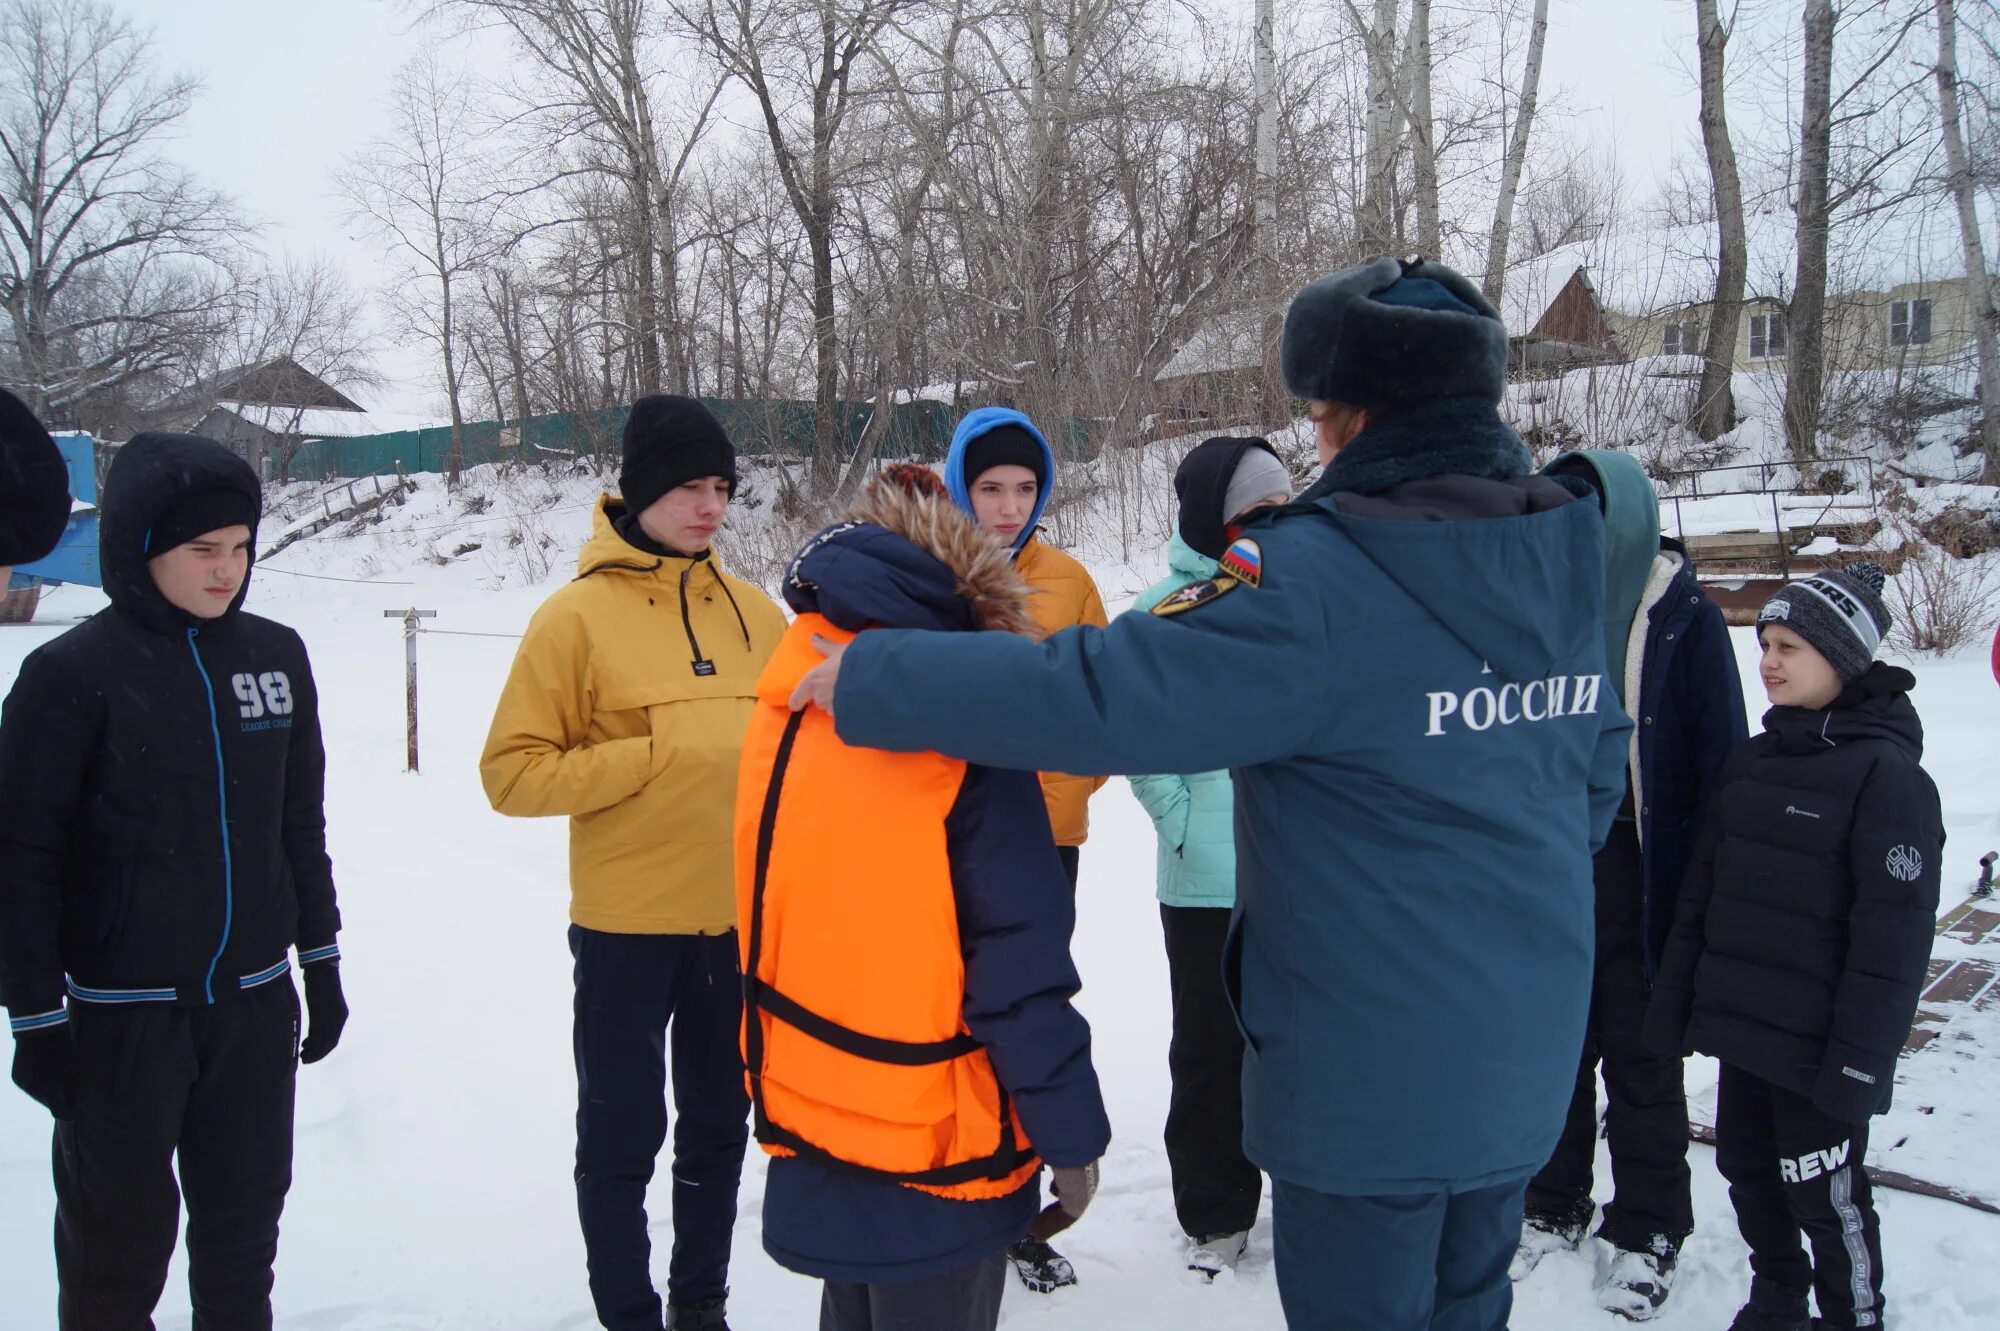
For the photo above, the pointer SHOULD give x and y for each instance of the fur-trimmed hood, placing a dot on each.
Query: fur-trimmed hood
(909, 561)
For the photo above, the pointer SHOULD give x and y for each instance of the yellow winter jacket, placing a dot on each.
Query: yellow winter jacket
(626, 709)
(1065, 596)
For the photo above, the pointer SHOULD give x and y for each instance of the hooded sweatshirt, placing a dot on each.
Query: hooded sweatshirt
(1065, 595)
(625, 710)
(1425, 751)
(165, 838)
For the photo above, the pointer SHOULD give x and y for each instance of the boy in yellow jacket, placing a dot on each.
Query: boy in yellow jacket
(626, 710)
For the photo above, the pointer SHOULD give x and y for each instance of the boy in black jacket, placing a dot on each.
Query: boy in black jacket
(164, 848)
(1800, 943)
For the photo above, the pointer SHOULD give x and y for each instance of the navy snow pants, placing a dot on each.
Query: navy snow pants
(645, 1003)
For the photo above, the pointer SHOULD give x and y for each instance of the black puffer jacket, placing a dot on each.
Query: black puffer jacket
(162, 777)
(1802, 933)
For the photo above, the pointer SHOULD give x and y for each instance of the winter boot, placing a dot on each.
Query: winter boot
(1210, 1256)
(704, 1316)
(1041, 1268)
(1543, 1234)
(1755, 1317)
(1639, 1281)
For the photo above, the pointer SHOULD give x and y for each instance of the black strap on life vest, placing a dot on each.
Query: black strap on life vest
(759, 998)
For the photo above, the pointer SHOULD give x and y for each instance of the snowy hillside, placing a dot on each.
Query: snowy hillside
(433, 1184)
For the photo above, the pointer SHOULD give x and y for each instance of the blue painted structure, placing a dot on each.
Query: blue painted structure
(75, 557)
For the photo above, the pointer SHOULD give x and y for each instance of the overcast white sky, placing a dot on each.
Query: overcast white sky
(292, 88)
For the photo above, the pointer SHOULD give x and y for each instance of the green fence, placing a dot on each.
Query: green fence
(920, 430)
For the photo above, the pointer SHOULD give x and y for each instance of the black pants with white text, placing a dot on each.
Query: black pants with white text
(1792, 1168)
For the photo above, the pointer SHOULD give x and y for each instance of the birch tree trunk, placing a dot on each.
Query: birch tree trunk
(1978, 289)
(1806, 319)
(1265, 75)
(1714, 407)
(1373, 221)
(1517, 157)
(1423, 130)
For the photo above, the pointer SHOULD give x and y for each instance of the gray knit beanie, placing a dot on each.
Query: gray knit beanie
(1840, 613)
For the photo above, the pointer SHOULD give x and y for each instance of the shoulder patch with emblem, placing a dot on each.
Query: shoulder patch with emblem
(1243, 561)
(1194, 594)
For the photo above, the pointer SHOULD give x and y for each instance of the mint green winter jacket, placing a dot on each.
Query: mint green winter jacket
(1194, 816)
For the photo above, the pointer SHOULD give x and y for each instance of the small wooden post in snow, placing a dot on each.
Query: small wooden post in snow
(410, 618)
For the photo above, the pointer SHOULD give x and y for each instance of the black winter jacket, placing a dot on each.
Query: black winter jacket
(162, 775)
(1804, 927)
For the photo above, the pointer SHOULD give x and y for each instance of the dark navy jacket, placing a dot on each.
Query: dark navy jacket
(1015, 916)
(1688, 715)
(163, 776)
(1425, 753)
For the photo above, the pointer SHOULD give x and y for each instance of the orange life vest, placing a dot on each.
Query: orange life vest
(854, 1037)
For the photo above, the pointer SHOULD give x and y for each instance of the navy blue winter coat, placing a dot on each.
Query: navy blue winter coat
(1015, 916)
(1688, 710)
(1426, 754)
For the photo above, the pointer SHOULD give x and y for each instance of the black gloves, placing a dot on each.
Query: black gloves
(45, 1067)
(326, 1010)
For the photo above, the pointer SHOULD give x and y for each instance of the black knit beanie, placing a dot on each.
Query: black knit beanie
(671, 440)
(1005, 446)
(197, 513)
(1200, 484)
(1841, 614)
(34, 485)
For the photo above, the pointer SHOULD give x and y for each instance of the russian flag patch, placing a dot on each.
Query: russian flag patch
(1243, 561)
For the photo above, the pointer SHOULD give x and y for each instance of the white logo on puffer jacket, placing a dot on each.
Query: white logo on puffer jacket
(1905, 863)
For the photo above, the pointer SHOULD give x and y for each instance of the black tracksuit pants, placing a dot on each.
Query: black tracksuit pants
(211, 1086)
(1216, 1189)
(1792, 1168)
(642, 999)
(1646, 1119)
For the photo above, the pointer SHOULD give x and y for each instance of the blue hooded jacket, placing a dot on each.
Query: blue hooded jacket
(1426, 753)
(1015, 916)
(977, 423)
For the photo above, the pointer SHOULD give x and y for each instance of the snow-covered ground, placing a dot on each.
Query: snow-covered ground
(434, 1152)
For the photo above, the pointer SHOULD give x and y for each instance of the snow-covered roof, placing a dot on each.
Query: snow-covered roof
(1226, 342)
(1642, 270)
(321, 423)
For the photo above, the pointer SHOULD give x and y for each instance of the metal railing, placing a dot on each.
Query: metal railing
(1769, 473)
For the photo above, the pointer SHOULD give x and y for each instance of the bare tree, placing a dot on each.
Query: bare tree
(309, 314)
(1417, 61)
(1806, 318)
(1265, 82)
(1375, 222)
(1986, 321)
(1714, 407)
(427, 188)
(605, 71)
(1517, 156)
(807, 49)
(117, 263)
